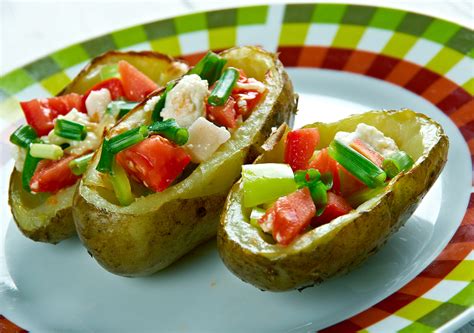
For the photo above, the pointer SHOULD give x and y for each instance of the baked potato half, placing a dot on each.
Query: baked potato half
(158, 228)
(48, 217)
(345, 242)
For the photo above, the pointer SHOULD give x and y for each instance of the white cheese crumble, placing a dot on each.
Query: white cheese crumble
(92, 140)
(19, 154)
(185, 102)
(372, 136)
(96, 103)
(204, 139)
(150, 104)
(251, 84)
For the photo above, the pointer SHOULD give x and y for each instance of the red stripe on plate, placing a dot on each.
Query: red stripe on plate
(382, 66)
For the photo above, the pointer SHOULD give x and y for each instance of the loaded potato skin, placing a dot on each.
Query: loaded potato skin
(158, 228)
(344, 243)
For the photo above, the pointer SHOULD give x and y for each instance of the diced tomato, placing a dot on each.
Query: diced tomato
(113, 85)
(52, 176)
(136, 85)
(155, 162)
(300, 145)
(348, 183)
(364, 149)
(40, 113)
(224, 115)
(250, 100)
(336, 206)
(291, 214)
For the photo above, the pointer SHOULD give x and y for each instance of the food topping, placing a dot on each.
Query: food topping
(396, 163)
(204, 139)
(185, 102)
(300, 145)
(136, 85)
(223, 87)
(97, 102)
(52, 176)
(46, 151)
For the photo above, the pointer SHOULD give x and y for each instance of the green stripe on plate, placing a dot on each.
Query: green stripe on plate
(348, 36)
(42, 68)
(160, 29)
(70, 56)
(190, 23)
(465, 297)
(440, 31)
(462, 272)
(463, 41)
(469, 86)
(328, 13)
(399, 45)
(444, 60)
(128, 37)
(386, 18)
(252, 15)
(169, 45)
(298, 13)
(418, 308)
(416, 328)
(55, 83)
(414, 24)
(358, 15)
(222, 38)
(441, 314)
(16, 81)
(222, 18)
(99, 45)
(293, 34)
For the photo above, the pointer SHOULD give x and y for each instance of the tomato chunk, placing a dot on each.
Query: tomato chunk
(348, 182)
(336, 206)
(290, 215)
(113, 85)
(364, 149)
(52, 176)
(246, 102)
(136, 85)
(40, 113)
(155, 162)
(223, 115)
(300, 145)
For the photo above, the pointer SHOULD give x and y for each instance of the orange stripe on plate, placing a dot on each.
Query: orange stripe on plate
(419, 286)
(360, 62)
(312, 56)
(456, 251)
(439, 90)
(464, 115)
(402, 73)
(369, 317)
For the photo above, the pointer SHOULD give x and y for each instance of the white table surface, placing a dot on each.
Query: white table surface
(31, 29)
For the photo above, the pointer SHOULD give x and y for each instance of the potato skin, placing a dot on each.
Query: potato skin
(147, 241)
(346, 245)
(56, 224)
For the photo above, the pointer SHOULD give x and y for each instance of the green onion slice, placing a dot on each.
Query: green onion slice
(106, 158)
(79, 165)
(396, 163)
(170, 130)
(120, 108)
(121, 184)
(156, 115)
(29, 168)
(70, 129)
(23, 136)
(319, 195)
(46, 151)
(221, 92)
(127, 139)
(358, 165)
(209, 67)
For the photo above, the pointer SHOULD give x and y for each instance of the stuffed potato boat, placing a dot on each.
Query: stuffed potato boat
(42, 186)
(175, 202)
(272, 247)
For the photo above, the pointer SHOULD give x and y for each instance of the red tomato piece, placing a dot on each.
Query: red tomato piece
(348, 182)
(155, 162)
(291, 215)
(136, 85)
(336, 206)
(364, 149)
(300, 145)
(223, 115)
(40, 113)
(52, 176)
(113, 85)
(249, 99)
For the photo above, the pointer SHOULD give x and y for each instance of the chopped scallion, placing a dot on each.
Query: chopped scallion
(79, 165)
(29, 168)
(319, 195)
(127, 139)
(170, 130)
(121, 184)
(156, 115)
(209, 67)
(106, 158)
(221, 92)
(46, 151)
(358, 165)
(70, 129)
(23, 136)
(396, 163)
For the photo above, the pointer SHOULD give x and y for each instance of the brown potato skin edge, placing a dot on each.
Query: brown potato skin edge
(61, 226)
(352, 244)
(175, 228)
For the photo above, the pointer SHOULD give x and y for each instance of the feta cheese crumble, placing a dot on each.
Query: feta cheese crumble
(96, 103)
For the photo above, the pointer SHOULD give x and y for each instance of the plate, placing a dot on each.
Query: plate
(343, 59)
